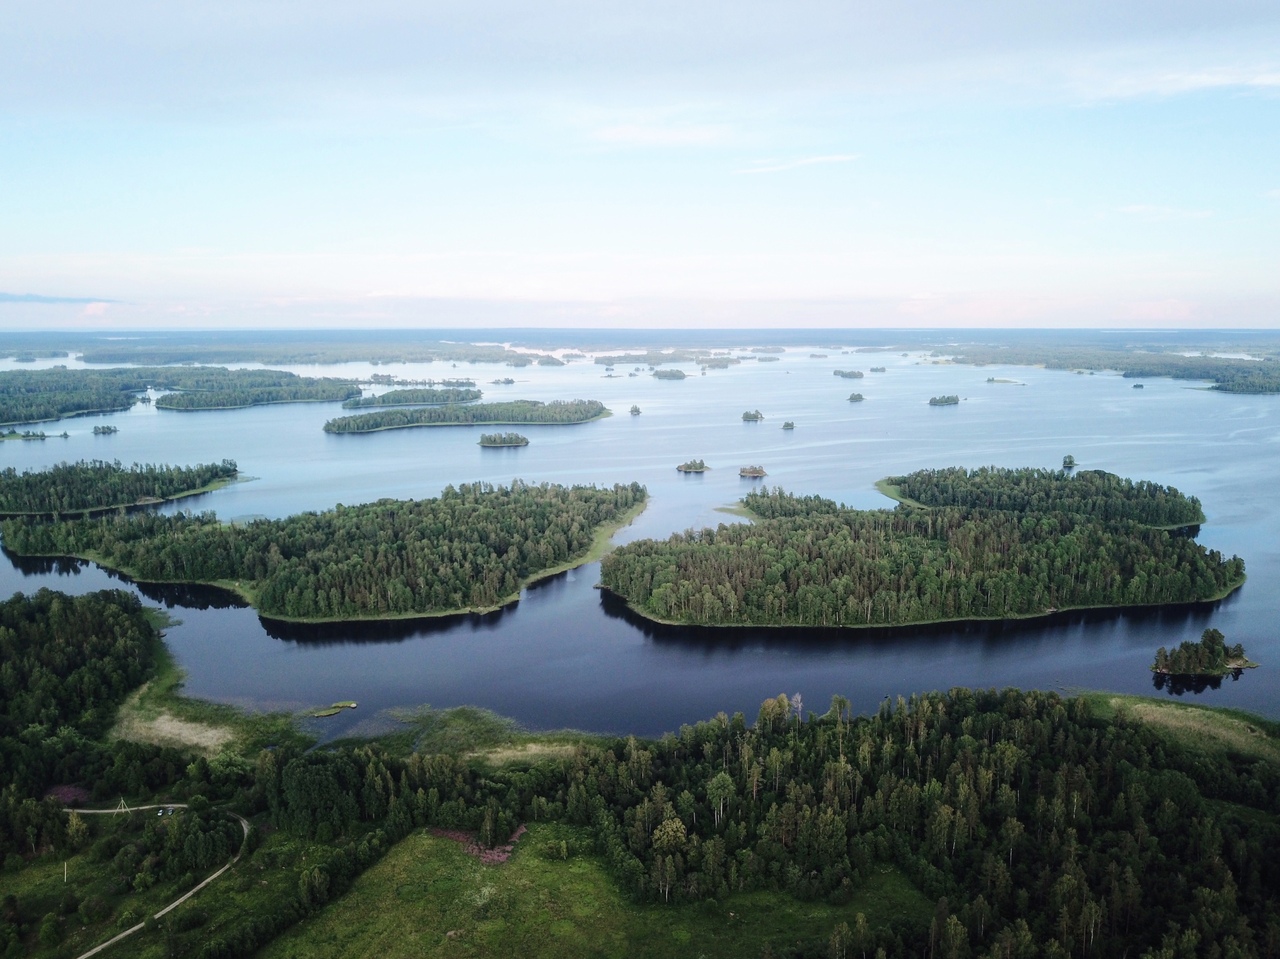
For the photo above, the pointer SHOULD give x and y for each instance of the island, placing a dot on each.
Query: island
(503, 439)
(93, 486)
(472, 548)
(789, 425)
(668, 374)
(419, 397)
(635, 410)
(960, 546)
(105, 430)
(765, 359)
(1209, 657)
(693, 466)
(512, 413)
(752, 416)
(752, 472)
(1137, 386)
(848, 374)
(878, 369)
(503, 381)
(855, 397)
(947, 400)
(13, 434)
(1068, 462)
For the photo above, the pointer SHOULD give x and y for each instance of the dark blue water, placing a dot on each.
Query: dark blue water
(565, 656)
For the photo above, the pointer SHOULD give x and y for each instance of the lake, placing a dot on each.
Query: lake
(568, 656)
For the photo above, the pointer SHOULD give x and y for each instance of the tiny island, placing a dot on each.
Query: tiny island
(669, 374)
(693, 466)
(849, 374)
(950, 399)
(752, 416)
(752, 472)
(855, 397)
(1209, 657)
(105, 430)
(878, 369)
(788, 425)
(635, 410)
(1068, 462)
(503, 439)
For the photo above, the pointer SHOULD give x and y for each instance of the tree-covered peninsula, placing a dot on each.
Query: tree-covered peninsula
(92, 485)
(472, 547)
(811, 562)
(29, 396)
(422, 397)
(513, 413)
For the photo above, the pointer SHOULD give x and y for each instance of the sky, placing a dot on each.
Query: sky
(878, 164)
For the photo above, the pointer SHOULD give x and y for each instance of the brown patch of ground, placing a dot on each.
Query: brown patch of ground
(165, 729)
(1210, 730)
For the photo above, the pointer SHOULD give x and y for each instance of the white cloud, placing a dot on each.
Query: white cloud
(771, 166)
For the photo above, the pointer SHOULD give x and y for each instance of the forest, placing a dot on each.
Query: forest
(97, 484)
(513, 413)
(1228, 374)
(423, 397)
(1088, 492)
(1209, 657)
(810, 562)
(29, 396)
(472, 547)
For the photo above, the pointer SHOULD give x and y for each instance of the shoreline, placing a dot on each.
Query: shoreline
(91, 511)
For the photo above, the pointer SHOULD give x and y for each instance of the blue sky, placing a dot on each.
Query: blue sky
(594, 163)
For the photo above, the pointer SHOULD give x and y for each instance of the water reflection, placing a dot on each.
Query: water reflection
(381, 630)
(1178, 684)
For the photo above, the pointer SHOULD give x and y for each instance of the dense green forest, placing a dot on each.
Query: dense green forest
(810, 562)
(1037, 825)
(1228, 374)
(503, 439)
(97, 484)
(471, 547)
(1209, 657)
(28, 396)
(1095, 493)
(513, 413)
(424, 397)
(949, 399)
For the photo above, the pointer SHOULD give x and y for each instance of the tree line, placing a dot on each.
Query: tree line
(470, 547)
(1087, 493)
(513, 413)
(809, 562)
(97, 484)
(28, 396)
(425, 397)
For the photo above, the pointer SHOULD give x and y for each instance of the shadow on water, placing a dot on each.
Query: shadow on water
(1179, 684)
(188, 595)
(1182, 618)
(357, 632)
(45, 565)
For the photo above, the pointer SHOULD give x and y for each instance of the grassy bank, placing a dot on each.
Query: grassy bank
(554, 899)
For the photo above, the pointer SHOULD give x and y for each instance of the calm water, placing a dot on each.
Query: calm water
(565, 656)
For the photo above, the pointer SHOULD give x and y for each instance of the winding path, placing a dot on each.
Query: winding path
(244, 825)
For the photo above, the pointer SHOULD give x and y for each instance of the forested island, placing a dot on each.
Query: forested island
(752, 416)
(511, 413)
(752, 472)
(669, 374)
(855, 397)
(948, 400)
(1043, 545)
(693, 466)
(29, 396)
(418, 397)
(789, 425)
(849, 374)
(95, 485)
(471, 548)
(503, 439)
(1209, 657)
(878, 369)
(105, 430)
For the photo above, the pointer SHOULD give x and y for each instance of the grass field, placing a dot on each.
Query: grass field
(429, 898)
(1210, 730)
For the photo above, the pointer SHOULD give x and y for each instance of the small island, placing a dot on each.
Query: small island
(503, 439)
(817, 356)
(510, 413)
(949, 400)
(693, 466)
(668, 374)
(1137, 386)
(765, 359)
(24, 435)
(752, 472)
(503, 381)
(635, 410)
(788, 425)
(855, 397)
(1209, 657)
(752, 416)
(1068, 462)
(105, 430)
(848, 374)
(878, 369)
